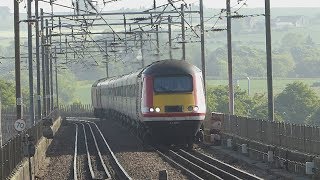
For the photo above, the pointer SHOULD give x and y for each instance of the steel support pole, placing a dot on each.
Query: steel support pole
(51, 76)
(107, 59)
(183, 31)
(230, 74)
(269, 62)
(60, 42)
(170, 37)
(125, 30)
(47, 69)
(66, 50)
(30, 63)
(17, 59)
(141, 47)
(38, 61)
(1, 142)
(203, 61)
(43, 65)
(56, 69)
(158, 46)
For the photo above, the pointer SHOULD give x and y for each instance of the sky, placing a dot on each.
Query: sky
(148, 4)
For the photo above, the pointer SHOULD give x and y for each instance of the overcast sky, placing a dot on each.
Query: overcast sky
(148, 4)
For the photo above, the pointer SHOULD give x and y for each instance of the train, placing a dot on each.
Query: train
(164, 102)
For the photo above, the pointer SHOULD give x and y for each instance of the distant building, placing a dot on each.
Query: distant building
(254, 24)
(290, 21)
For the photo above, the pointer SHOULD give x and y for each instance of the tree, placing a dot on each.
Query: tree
(67, 86)
(7, 92)
(304, 53)
(255, 106)
(283, 64)
(218, 100)
(291, 40)
(247, 61)
(310, 42)
(314, 119)
(259, 106)
(211, 100)
(296, 102)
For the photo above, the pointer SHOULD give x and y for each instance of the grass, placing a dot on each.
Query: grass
(7, 37)
(83, 92)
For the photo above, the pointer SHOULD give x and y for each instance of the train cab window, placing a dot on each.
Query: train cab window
(165, 84)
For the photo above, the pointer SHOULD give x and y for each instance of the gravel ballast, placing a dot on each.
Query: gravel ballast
(138, 163)
(59, 158)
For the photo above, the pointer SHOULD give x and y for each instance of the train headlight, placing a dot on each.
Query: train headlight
(151, 110)
(190, 108)
(196, 108)
(157, 109)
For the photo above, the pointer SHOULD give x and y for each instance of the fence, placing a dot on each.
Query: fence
(305, 139)
(8, 117)
(11, 153)
(76, 110)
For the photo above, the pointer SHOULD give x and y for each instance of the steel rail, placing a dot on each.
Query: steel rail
(205, 165)
(88, 153)
(75, 174)
(201, 166)
(200, 171)
(120, 172)
(178, 166)
(235, 171)
(99, 154)
(117, 166)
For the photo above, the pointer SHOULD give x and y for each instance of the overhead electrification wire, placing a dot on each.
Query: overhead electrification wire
(184, 19)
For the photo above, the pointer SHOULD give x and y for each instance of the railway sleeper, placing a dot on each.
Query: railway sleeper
(238, 172)
(219, 172)
(195, 168)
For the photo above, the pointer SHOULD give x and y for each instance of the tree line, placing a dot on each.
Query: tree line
(297, 103)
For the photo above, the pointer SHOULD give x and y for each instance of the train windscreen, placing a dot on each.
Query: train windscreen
(167, 84)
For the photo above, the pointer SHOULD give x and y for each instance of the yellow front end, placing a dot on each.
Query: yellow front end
(175, 99)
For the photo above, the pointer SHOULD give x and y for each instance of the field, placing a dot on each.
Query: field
(256, 86)
(7, 37)
(260, 85)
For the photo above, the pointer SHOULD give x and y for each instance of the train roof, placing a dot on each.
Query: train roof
(167, 67)
(95, 84)
(170, 67)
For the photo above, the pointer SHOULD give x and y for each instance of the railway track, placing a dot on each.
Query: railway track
(194, 164)
(201, 166)
(98, 153)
